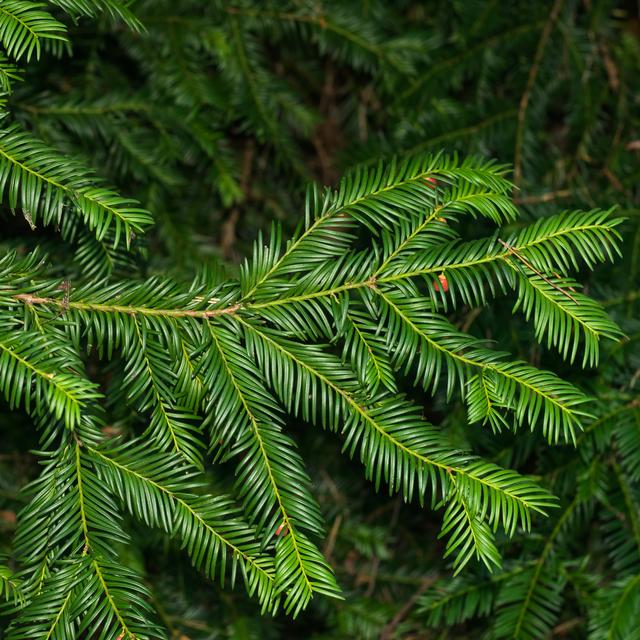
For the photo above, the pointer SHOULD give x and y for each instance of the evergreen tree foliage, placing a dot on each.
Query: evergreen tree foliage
(184, 357)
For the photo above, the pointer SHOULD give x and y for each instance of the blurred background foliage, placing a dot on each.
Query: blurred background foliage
(217, 114)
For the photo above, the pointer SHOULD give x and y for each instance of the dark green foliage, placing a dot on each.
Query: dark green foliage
(185, 362)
